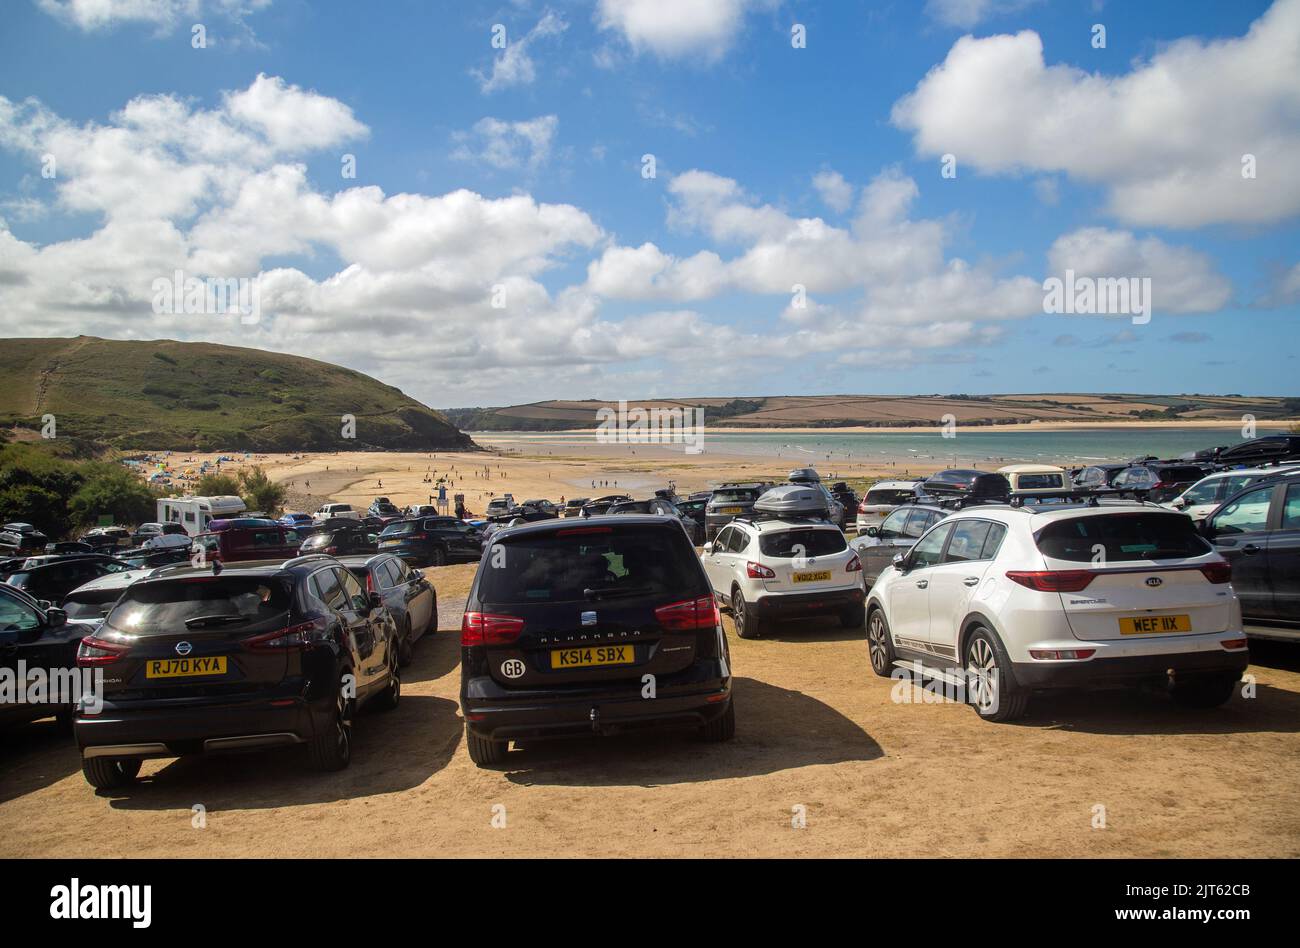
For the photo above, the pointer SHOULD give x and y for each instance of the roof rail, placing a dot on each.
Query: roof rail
(305, 558)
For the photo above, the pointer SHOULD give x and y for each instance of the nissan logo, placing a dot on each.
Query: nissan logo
(1154, 581)
(183, 648)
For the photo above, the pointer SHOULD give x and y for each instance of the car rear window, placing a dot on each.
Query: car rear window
(195, 603)
(889, 495)
(611, 562)
(807, 542)
(733, 496)
(1040, 481)
(1111, 538)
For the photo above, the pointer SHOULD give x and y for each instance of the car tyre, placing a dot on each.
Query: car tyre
(991, 690)
(391, 696)
(439, 557)
(748, 625)
(331, 746)
(406, 648)
(1204, 691)
(880, 644)
(853, 618)
(485, 752)
(723, 727)
(105, 773)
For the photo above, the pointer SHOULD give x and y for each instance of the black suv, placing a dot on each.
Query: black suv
(39, 638)
(968, 486)
(728, 502)
(53, 578)
(255, 656)
(1258, 532)
(564, 623)
(343, 540)
(431, 541)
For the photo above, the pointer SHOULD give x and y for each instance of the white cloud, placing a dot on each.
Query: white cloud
(1166, 138)
(164, 15)
(508, 146)
(515, 66)
(700, 30)
(1183, 280)
(964, 14)
(836, 193)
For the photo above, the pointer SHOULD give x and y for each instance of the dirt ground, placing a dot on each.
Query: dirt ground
(815, 729)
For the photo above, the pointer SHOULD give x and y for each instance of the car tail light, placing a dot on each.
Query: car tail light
(759, 571)
(370, 582)
(855, 565)
(1061, 654)
(287, 639)
(93, 652)
(1052, 580)
(331, 549)
(1220, 572)
(482, 628)
(1233, 644)
(862, 506)
(689, 614)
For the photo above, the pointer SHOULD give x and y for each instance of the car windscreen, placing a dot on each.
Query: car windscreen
(1120, 537)
(592, 563)
(191, 604)
(401, 529)
(317, 540)
(889, 495)
(788, 544)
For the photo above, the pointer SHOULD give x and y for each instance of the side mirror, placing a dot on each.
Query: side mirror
(873, 531)
(1178, 503)
(374, 600)
(56, 618)
(900, 562)
(708, 548)
(416, 575)
(1206, 528)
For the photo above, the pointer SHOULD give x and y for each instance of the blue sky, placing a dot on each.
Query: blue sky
(479, 167)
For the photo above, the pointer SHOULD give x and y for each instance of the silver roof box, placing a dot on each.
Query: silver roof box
(804, 475)
(792, 500)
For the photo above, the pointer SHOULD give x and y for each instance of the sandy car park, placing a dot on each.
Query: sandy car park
(818, 737)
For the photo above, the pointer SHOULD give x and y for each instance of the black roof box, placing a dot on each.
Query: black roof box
(980, 485)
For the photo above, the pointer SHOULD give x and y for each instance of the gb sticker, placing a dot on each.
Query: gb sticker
(512, 668)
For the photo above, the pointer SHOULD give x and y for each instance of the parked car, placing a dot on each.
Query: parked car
(848, 499)
(102, 538)
(88, 604)
(881, 498)
(333, 511)
(18, 538)
(1204, 497)
(903, 526)
(52, 579)
(39, 637)
(968, 486)
(258, 656)
(431, 541)
(421, 510)
(273, 542)
(1036, 479)
(1098, 476)
(1156, 481)
(1258, 531)
(573, 506)
(765, 570)
(409, 598)
(600, 505)
(661, 507)
(837, 513)
(728, 502)
(558, 638)
(499, 506)
(139, 559)
(1014, 600)
(383, 510)
(296, 520)
(343, 541)
(531, 510)
(1272, 448)
(68, 548)
(148, 531)
(694, 507)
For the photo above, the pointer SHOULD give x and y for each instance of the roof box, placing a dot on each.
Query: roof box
(791, 500)
(972, 485)
(805, 475)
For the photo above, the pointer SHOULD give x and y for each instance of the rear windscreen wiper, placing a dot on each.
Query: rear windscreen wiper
(199, 622)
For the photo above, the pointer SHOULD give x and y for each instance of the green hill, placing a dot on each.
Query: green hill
(172, 395)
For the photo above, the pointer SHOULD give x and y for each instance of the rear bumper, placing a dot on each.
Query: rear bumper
(1129, 669)
(496, 713)
(173, 730)
(791, 605)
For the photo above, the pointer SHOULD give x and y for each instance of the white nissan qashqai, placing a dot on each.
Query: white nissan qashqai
(1002, 601)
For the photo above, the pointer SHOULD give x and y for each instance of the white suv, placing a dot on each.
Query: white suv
(1003, 601)
(331, 511)
(778, 569)
(1203, 498)
(882, 498)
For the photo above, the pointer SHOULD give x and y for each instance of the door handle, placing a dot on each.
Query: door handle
(971, 581)
(922, 583)
(1250, 549)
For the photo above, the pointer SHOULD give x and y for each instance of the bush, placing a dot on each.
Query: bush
(260, 493)
(217, 485)
(110, 489)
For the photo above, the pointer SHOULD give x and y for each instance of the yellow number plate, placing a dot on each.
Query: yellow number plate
(1145, 625)
(728, 510)
(185, 667)
(595, 655)
(818, 577)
